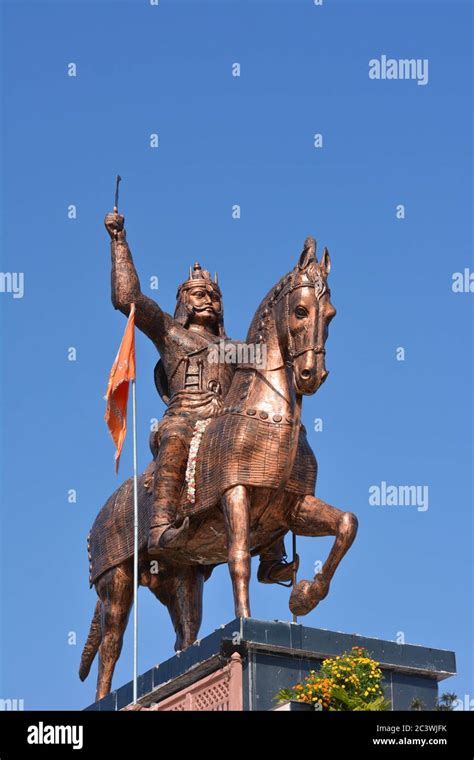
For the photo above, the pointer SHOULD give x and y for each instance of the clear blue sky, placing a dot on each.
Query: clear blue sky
(247, 141)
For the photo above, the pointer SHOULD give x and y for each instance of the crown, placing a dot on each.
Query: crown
(199, 276)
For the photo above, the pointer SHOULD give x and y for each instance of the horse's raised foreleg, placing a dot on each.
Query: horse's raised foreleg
(236, 508)
(115, 590)
(313, 517)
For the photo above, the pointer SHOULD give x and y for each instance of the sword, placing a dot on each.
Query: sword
(117, 181)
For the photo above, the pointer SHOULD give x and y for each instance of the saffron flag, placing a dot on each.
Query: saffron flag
(122, 372)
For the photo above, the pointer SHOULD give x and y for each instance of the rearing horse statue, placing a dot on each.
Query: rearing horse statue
(250, 479)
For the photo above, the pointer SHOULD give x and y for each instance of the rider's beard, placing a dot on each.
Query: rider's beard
(204, 316)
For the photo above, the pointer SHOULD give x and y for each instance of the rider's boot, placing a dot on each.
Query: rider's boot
(166, 536)
(274, 567)
(170, 470)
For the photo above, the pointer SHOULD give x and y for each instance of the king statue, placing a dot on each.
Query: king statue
(191, 385)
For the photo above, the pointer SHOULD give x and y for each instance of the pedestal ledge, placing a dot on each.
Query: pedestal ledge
(242, 665)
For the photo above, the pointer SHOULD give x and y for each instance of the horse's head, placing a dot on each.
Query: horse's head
(302, 311)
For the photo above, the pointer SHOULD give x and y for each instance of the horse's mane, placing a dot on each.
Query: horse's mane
(260, 317)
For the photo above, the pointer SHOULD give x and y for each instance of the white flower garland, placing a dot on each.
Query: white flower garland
(198, 431)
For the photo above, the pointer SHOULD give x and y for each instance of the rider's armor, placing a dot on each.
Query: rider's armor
(192, 386)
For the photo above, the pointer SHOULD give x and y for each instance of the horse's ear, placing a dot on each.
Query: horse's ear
(308, 254)
(325, 263)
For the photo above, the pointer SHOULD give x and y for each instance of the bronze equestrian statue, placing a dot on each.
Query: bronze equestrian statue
(192, 386)
(237, 472)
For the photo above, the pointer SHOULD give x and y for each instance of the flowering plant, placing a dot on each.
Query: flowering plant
(351, 681)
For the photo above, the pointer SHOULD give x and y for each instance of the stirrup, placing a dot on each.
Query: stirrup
(283, 561)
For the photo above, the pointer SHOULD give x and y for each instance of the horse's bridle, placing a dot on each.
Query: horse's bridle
(318, 348)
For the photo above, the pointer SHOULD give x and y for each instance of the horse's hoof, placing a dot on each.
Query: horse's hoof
(320, 588)
(306, 595)
(300, 599)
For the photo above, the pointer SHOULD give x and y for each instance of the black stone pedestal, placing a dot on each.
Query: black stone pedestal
(271, 656)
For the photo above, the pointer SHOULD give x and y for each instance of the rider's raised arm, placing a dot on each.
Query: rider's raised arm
(126, 289)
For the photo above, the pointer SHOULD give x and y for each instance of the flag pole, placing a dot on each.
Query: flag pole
(293, 541)
(135, 545)
(125, 371)
(135, 510)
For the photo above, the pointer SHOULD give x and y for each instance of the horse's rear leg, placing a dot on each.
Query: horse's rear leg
(115, 590)
(236, 509)
(180, 589)
(313, 517)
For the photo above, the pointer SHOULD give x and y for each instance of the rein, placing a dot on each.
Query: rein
(318, 349)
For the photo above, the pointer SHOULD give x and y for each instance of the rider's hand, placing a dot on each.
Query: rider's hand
(114, 225)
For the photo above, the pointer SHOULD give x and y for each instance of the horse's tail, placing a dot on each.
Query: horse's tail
(92, 644)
